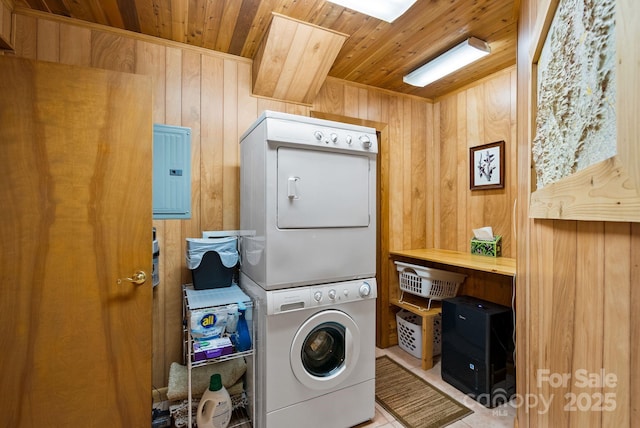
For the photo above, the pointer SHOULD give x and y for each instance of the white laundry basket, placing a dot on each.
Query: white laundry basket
(410, 333)
(434, 284)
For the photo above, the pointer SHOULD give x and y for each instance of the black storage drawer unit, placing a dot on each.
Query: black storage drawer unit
(477, 349)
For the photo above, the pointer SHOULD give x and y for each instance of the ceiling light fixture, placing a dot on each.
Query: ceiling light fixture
(386, 10)
(454, 59)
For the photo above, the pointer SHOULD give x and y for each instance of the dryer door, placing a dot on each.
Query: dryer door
(325, 349)
(319, 189)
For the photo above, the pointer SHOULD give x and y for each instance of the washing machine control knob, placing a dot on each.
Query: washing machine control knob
(366, 142)
(318, 135)
(334, 137)
(317, 296)
(365, 289)
(332, 294)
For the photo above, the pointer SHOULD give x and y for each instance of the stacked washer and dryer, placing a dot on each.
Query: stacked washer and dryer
(308, 203)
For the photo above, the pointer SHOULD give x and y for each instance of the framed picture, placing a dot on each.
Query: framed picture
(486, 166)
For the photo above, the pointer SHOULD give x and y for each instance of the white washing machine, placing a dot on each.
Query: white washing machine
(314, 354)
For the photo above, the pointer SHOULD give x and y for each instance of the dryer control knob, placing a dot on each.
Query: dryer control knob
(334, 137)
(332, 294)
(365, 289)
(366, 142)
(317, 296)
(318, 135)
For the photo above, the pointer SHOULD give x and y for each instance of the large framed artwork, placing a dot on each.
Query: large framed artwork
(584, 153)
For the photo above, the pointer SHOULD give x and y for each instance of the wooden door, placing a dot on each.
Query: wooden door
(75, 219)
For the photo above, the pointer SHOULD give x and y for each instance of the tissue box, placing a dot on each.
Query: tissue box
(487, 248)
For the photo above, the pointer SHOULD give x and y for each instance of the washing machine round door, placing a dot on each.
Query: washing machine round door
(325, 349)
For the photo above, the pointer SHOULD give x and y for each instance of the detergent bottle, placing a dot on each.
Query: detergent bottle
(214, 409)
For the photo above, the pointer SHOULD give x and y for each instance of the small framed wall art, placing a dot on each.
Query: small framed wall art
(486, 166)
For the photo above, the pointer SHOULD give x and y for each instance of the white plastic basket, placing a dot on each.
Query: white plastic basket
(410, 333)
(434, 284)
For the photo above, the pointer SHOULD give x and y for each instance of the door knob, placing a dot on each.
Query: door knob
(138, 278)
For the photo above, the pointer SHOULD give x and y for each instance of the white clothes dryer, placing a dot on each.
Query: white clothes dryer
(308, 199)
(314, 354)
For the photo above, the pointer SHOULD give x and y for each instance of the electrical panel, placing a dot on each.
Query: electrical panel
(171, 172)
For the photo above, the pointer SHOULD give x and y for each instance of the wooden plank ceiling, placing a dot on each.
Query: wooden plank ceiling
(376, 53)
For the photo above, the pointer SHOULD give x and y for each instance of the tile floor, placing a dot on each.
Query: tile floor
(499, 417)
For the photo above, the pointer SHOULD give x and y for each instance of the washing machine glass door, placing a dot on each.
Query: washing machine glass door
(325, 349)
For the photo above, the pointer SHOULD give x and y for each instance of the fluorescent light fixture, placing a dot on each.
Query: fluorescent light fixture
(386, 10)
(454, 59)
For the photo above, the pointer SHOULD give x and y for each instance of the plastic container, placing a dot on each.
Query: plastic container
(212, 261)
(435, 284)
(410, 333)
(214, 409)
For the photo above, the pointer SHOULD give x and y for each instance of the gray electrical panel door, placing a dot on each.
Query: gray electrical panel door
(171, 172)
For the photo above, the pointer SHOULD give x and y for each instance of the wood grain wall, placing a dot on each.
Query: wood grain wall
(481, 113)
(424, 164)
(577, 287)
(6, 25)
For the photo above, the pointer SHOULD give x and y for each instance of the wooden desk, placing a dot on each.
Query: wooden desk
(499, 265)
(415, 304)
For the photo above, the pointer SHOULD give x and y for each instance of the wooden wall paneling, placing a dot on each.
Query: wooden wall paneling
(498, 203)
(173, 242)
(542, 267)
(384, 241)
(407, 172)
(376, 106)
(512, 171)
(430, 177)
(332, 97)
(460, 232)
(26, 31)
(75, 45)
(419, 166)
(231, 150)
(524, 237)
(562, 322)
(112, 52)
(634, 302)
(191, 118)
(212, 136)
(436, 189)
(248, 103)
(351, 105)
(448, 161)
(589, 313)
(48, 46)
(476, 201)
(151, 61)
(617, 320)
(7, 40)
(472, 116)
(396, 197)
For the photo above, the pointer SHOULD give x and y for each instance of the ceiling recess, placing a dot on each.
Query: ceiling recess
(293, 59)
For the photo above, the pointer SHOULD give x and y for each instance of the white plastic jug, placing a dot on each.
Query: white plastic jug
(214, 409)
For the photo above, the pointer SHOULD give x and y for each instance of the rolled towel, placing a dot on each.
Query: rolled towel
(231, 371)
